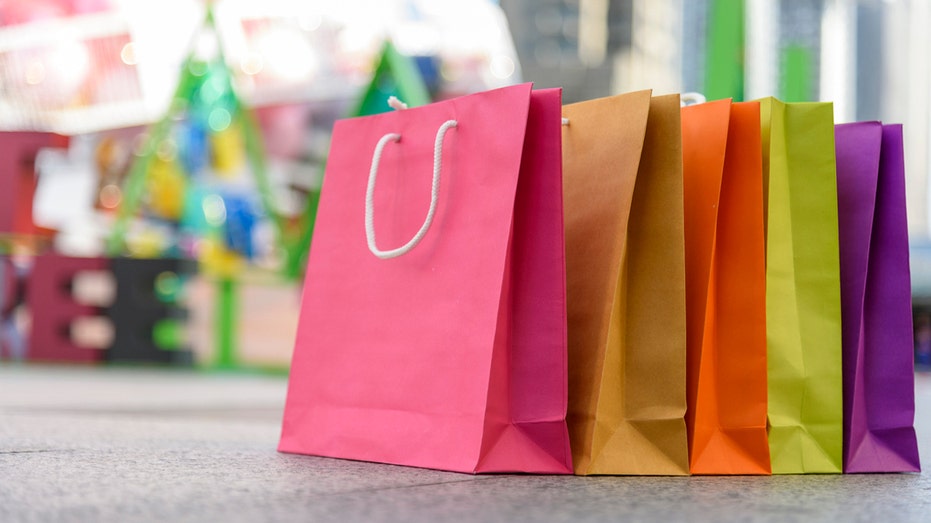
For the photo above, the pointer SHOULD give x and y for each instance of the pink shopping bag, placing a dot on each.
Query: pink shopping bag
(438, 342)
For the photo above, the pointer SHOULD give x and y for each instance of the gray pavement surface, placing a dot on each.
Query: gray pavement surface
(120, 444)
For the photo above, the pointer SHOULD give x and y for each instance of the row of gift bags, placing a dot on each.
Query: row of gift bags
(499, 283)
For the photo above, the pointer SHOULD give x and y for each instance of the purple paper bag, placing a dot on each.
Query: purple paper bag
(879, 379)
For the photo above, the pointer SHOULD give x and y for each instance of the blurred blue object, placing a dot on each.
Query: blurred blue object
(193, 145)
(241, 219)
(12, 341)
(430, 71)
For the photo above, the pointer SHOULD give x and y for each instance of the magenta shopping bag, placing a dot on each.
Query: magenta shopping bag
(879, 386)
(438, 342)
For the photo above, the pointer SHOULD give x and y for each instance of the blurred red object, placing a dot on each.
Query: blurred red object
(15, 12)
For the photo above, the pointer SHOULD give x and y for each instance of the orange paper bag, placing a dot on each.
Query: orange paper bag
(625, 261)
(725, 270)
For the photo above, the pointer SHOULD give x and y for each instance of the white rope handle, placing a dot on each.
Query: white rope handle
(434, 193)
(395, 103)
(692, 98)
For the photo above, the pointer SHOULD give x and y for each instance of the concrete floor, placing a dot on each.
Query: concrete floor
(110, 444)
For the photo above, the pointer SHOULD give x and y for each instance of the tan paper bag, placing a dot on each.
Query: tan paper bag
(623, 192)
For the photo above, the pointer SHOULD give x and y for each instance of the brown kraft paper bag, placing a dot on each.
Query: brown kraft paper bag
(625, 257)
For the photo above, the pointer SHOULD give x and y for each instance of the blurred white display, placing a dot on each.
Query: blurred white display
(72, 69)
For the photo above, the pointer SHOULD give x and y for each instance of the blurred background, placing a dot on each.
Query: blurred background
(163, 159)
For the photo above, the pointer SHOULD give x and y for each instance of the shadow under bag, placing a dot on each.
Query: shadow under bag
(438, 342)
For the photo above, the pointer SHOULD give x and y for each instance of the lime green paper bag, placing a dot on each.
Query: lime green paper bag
(803, 312)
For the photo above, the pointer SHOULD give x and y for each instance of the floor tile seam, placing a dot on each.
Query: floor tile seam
(35, 451)
(232, 415)
(351, 492)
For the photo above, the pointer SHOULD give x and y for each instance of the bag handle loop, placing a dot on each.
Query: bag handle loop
(434, 193)
(691, 98)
